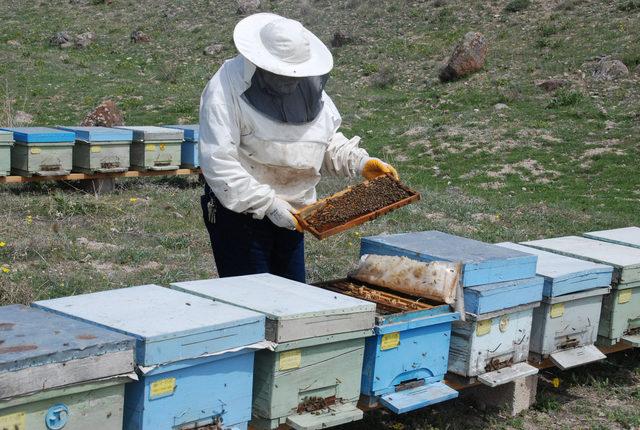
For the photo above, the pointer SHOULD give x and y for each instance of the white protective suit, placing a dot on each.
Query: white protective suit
(248, 158)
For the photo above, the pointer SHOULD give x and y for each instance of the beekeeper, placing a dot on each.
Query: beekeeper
(268, 131)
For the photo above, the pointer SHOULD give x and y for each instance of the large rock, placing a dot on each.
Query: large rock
(340, 38)
(85, 39)
(106, 114)
(468, 57)
(246, 7)
(138, 36)
(214, 49)
(606, 68)
(62, 39)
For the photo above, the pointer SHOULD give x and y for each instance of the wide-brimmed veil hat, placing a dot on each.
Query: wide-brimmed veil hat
(281, 46)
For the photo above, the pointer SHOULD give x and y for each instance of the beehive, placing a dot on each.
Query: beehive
(310, 379)
(190, 156)
(565, 326)
(195, 356)
(155, 148)
(57, 372)
(406, 360)
(6, 143)
(101, 149)
(628, 236)
(483, 263)
(620, 317)
(41, 151)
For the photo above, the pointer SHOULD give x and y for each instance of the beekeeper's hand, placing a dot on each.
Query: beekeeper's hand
(281, 214)
(374, 167)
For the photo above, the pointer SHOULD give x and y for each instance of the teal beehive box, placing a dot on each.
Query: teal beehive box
(190, 156)
(6, 143)
(155, 148)
(620, 317)
(101, 149)
(310, 377)
(60, 373)
(41, 151)
(565, 326)
(194, 356)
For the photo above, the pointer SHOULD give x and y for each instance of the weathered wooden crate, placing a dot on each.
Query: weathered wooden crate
(628, 236)
(195, 356)
(6, 143)
(101, 149)
(483, 263)
(190, 155)
(41, 151)
(57, 372)
(406, 360)
(620, 317)
(494, 346)
(310, 379)
(155, 148)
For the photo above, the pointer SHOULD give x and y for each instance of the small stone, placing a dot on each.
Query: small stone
(106, 114)
(60, 38)
(246, 7)
(468, 57)
(214, 49)
(609, 125)
(66, 45)
(550, 85)
(22, 118)
(138, 36)
(340, 39)
(85, 39)
(500, 106)
(13, 42)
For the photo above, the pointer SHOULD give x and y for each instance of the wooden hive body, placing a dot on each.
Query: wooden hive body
(317, 353)
(61, 371)
(194, 354)
(487, 298)
(41, 151)
(190, 156)
(6, 143)
(483, 263)
(155, 148)
(628, 236)
(620, 316)
(101, 149)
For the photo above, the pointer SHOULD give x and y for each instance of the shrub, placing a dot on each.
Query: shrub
(517, 5)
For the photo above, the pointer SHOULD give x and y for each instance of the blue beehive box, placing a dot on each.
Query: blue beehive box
(101, 149)
(41, 151)
(482, 299)
(190, 158)
(195, 355)
(57, 372)
(483, 263)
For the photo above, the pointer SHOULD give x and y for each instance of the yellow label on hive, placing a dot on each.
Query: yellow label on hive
(150, 147)
(96, 149)
(36, 150)
(162, 146)
(13, 421)
(557, 310)
(290, 359)
(624, 296)
(504, 323)
(483, 327)
(390, 341)
(162, 388)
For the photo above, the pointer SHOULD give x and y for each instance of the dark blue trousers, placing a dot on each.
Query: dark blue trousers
(243, 245)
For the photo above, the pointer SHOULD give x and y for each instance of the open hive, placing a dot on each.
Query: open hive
(355, 205)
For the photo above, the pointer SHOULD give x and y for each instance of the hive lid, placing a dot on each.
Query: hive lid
(294, 310)
(628, 236)
(564, 275)
(417, 398)
(6, 136)
(151, 133)
(100, 134)
(168, 325)
(623, 258)
(32, 339)
(483, 263)
(191, 132)
(41, 135)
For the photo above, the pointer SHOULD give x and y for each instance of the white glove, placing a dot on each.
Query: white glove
(281, 214)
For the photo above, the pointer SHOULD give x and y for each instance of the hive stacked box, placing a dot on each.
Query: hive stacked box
(628, 236)
(620, 317)
(155, 148)
(41, 151)
(59, 373)
(100, 149)
(194, 356)
(565, 326)
(310, 377)
(190, 157)
(6, 143)
(500, 292)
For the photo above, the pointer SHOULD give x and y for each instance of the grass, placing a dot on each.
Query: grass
(551, 164)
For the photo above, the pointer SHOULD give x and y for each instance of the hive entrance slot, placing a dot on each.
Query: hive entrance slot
(408, 385)
(569, 343)
(213, 424)
(497, 364)
(312, 404)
